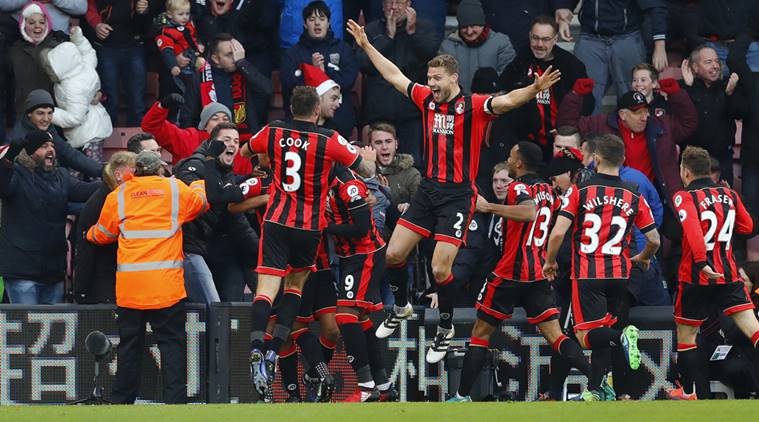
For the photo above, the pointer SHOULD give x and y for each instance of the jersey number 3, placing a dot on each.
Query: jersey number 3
(292, 167)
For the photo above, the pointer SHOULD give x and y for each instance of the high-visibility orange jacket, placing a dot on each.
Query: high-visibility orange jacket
(145, 215)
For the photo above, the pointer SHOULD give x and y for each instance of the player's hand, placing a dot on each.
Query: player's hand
(368, 153)
(433, 300)
(482, 204)
(547, 79)
(687, 72)
(642, 263)
(403, 207)
(103, 30)
(358, 34)
(731, 84)
(550, 270)
(410, 20)
(710, 273)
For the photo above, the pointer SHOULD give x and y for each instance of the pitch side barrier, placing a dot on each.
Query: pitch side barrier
(43, 359)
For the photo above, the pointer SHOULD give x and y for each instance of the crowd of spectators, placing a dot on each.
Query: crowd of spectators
(661, 74)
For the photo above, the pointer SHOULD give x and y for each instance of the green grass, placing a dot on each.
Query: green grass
(416, 412)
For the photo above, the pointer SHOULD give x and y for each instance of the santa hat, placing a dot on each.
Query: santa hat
(315, 77)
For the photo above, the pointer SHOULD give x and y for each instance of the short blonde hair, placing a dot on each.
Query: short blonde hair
(174, 5)
(118, 160)
(446, 61)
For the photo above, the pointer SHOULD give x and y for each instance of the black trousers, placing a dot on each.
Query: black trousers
(169, 326)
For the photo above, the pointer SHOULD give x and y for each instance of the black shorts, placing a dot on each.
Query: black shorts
(597, 302)
(694, 303)
(282, 250)
(499, 296)
(360, 276)
(318, 296)
(441, 210)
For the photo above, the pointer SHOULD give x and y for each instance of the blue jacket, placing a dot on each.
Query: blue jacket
(617, 17)
(340, 65)
(647, 189)
(291, 20)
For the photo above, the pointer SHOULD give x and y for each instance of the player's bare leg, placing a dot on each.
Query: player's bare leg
(442, 263)
(358, 355)
(402, 242)
(329, 332)
(474, 359)
(564, 346)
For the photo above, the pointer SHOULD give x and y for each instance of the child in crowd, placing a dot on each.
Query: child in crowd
(178, 40)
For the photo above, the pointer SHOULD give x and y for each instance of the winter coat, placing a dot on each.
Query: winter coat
(94, 266)
(411, 54)
(497, 52)
(749, 85)
(33, 229)
(59, 11)
(500, 15)
(216, 221)
(617, 17)
(663, 134)
(181, 143)
(66, 155)
(72, 67)
(291, 20)
(403, 177)
(340, 65)
(252, 22)
(129, 27)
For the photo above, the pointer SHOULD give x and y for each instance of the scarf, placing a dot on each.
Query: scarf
(239, 95)
(479, 40)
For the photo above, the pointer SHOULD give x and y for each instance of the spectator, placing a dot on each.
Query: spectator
(58, 11)
(396, 169)
(567, 137)
(149, 275)
(181, 143)
(227, 78)
(476, 45)
(95, 266)
(38, 114)
(214, 274)
(252, 22)
(329, 94)
(409, 42)
(119, 40)
(500, 16)
(650, 141)
(715, 170)
(143, 142)
(178, 43)
(718, 103)
(292, 21)
(645, 79)
(610, 42)
(542, 53)
(36, 36)
(720, 23)
(319, 47)
(84, 121)
(35, 194)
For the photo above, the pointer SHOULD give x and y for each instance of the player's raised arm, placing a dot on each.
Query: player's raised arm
(385, 67)
(503, 103)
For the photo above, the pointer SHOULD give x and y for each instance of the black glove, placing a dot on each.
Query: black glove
(215, 148)
(172, 101)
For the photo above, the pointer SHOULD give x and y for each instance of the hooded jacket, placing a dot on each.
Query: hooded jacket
(59, 11)
(33, 229)
(497, 52)
(403, 177)
(72, 67)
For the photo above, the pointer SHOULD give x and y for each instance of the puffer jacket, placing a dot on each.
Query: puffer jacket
(72, 67)
(497, 52)
(403, 178)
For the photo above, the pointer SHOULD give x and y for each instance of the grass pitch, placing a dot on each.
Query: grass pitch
(416, 412)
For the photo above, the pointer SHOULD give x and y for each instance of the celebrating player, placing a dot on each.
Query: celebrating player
(518, 277)
(709, 213)
(603, 210)
(454, 125)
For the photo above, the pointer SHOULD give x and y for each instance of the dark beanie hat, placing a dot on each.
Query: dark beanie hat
(38, 98)
(486, 81)
(470, 13)
(35, 139)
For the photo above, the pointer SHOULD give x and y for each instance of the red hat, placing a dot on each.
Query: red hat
(315, 77)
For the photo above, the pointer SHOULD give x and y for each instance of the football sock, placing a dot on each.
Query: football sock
(445, 303)
(398, 277)
(557, 374)
(689, 364)
(571, 350)
(374, 350)
(288, 310)
(755, 340)
(311, 351)
(355, 347)
(603, 337)
(288, 367)
(474, 360)
(259, 319)
(600, 361)
(328, 348)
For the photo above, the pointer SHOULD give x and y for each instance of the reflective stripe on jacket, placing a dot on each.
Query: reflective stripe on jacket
(145, 215)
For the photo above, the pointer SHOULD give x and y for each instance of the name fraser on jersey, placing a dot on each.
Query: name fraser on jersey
(707, 202)
(608, 200)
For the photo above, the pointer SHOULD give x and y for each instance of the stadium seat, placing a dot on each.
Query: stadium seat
(720, 388)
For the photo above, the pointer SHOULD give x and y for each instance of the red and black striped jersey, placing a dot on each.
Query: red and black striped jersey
(524, 242)
(604, 209)
(256, 186)
(547, 107)
(348, 193)
(709, 213)
(301, 156)
(453, 133)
